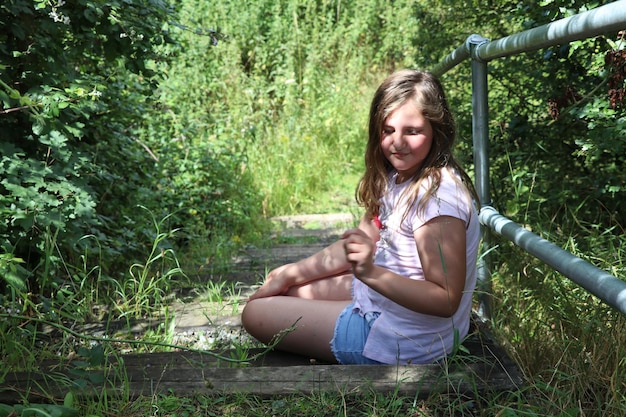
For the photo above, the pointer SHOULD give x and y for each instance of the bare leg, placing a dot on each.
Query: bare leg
(333, 288)
(265, 318)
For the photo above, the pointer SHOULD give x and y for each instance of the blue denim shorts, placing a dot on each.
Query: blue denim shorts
(351, 330)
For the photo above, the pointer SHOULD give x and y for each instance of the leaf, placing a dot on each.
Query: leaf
(97, 355)
(79, 384)
(5, 99)
(96, 377)
(14, 280)
(50, 410)
(54, 139)
(5, 410)
(69, 399)
(10, 270)
(39, 125)
(14, 94)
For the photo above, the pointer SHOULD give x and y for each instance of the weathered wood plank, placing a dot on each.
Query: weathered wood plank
(411, 379)
(420, 380)
(485, 369)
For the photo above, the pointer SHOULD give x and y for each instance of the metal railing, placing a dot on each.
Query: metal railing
(604, 19)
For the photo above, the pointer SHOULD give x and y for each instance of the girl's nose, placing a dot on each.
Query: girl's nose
(397, 139)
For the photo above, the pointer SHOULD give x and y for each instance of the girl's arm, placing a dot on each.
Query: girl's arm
(441, 247)
(329, 262)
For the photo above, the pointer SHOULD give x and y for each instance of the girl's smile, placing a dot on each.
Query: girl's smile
(406, 139)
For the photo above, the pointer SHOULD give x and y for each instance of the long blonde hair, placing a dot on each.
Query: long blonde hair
(427, 92)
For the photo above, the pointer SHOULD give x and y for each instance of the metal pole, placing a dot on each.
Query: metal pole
(451, 60)
(605, 286)
(457, 56)
(480, 135)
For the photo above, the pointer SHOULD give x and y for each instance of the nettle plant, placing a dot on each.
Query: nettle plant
(75, 76)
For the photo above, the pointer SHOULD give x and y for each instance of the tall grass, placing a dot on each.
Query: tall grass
(289, 83)
(567, 342)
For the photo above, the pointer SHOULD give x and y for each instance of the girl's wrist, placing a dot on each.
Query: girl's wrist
(367, 274)
(291, 274)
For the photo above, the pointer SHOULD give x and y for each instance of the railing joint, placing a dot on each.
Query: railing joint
(472, 43)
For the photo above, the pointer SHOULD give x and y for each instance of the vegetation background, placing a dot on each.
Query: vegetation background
(143, 142)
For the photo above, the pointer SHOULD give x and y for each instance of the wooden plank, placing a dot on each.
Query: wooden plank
(418, 380)
(187, 373)
(483, 368)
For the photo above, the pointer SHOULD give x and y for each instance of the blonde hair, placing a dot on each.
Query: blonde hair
(427, 93)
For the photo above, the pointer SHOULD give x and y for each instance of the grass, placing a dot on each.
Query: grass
(226, 298)
(566, 343)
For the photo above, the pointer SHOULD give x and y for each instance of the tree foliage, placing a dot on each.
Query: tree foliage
(559, 120)
(554, 113)
(76, 77)
(88, 137)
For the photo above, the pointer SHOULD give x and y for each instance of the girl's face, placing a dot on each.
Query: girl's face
(406, 139)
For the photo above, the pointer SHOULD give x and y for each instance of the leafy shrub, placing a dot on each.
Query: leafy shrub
(75, 79)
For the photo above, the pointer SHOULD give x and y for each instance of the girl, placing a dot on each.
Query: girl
(396, 289)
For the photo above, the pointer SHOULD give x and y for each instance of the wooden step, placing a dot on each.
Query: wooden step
(484, 369)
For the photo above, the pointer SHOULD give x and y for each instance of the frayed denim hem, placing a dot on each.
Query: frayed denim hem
(351, 331)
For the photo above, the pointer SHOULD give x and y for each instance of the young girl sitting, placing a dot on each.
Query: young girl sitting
(396, 289)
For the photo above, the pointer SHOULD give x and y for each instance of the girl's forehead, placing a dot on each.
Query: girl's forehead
(407, 109)
(408, 101)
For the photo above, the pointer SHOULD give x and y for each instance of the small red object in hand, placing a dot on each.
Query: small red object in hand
(377, 222)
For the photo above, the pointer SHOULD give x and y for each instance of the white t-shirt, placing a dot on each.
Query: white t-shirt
(400, 335)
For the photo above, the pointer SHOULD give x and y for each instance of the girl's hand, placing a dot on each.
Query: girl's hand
(359, 248)
(275, 283)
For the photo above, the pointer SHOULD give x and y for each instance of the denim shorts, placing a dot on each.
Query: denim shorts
(351, 330)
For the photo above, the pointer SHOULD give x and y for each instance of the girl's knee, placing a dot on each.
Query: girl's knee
(253, 316)
(248, 315)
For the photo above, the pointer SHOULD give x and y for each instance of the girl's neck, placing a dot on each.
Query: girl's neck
(400, 178)
(415, 172)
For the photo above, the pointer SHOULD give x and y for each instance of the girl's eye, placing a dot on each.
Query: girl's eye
(413, 132)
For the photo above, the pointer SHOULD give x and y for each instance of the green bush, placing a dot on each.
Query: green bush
(75, 80)
(88, 138)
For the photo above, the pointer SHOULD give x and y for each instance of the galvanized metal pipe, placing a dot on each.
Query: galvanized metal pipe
(480, 135)
(605, 286)
(480, 129)
(457, 56)
(604, 19)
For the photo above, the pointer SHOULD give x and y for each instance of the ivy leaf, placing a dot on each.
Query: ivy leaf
(5, 99)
